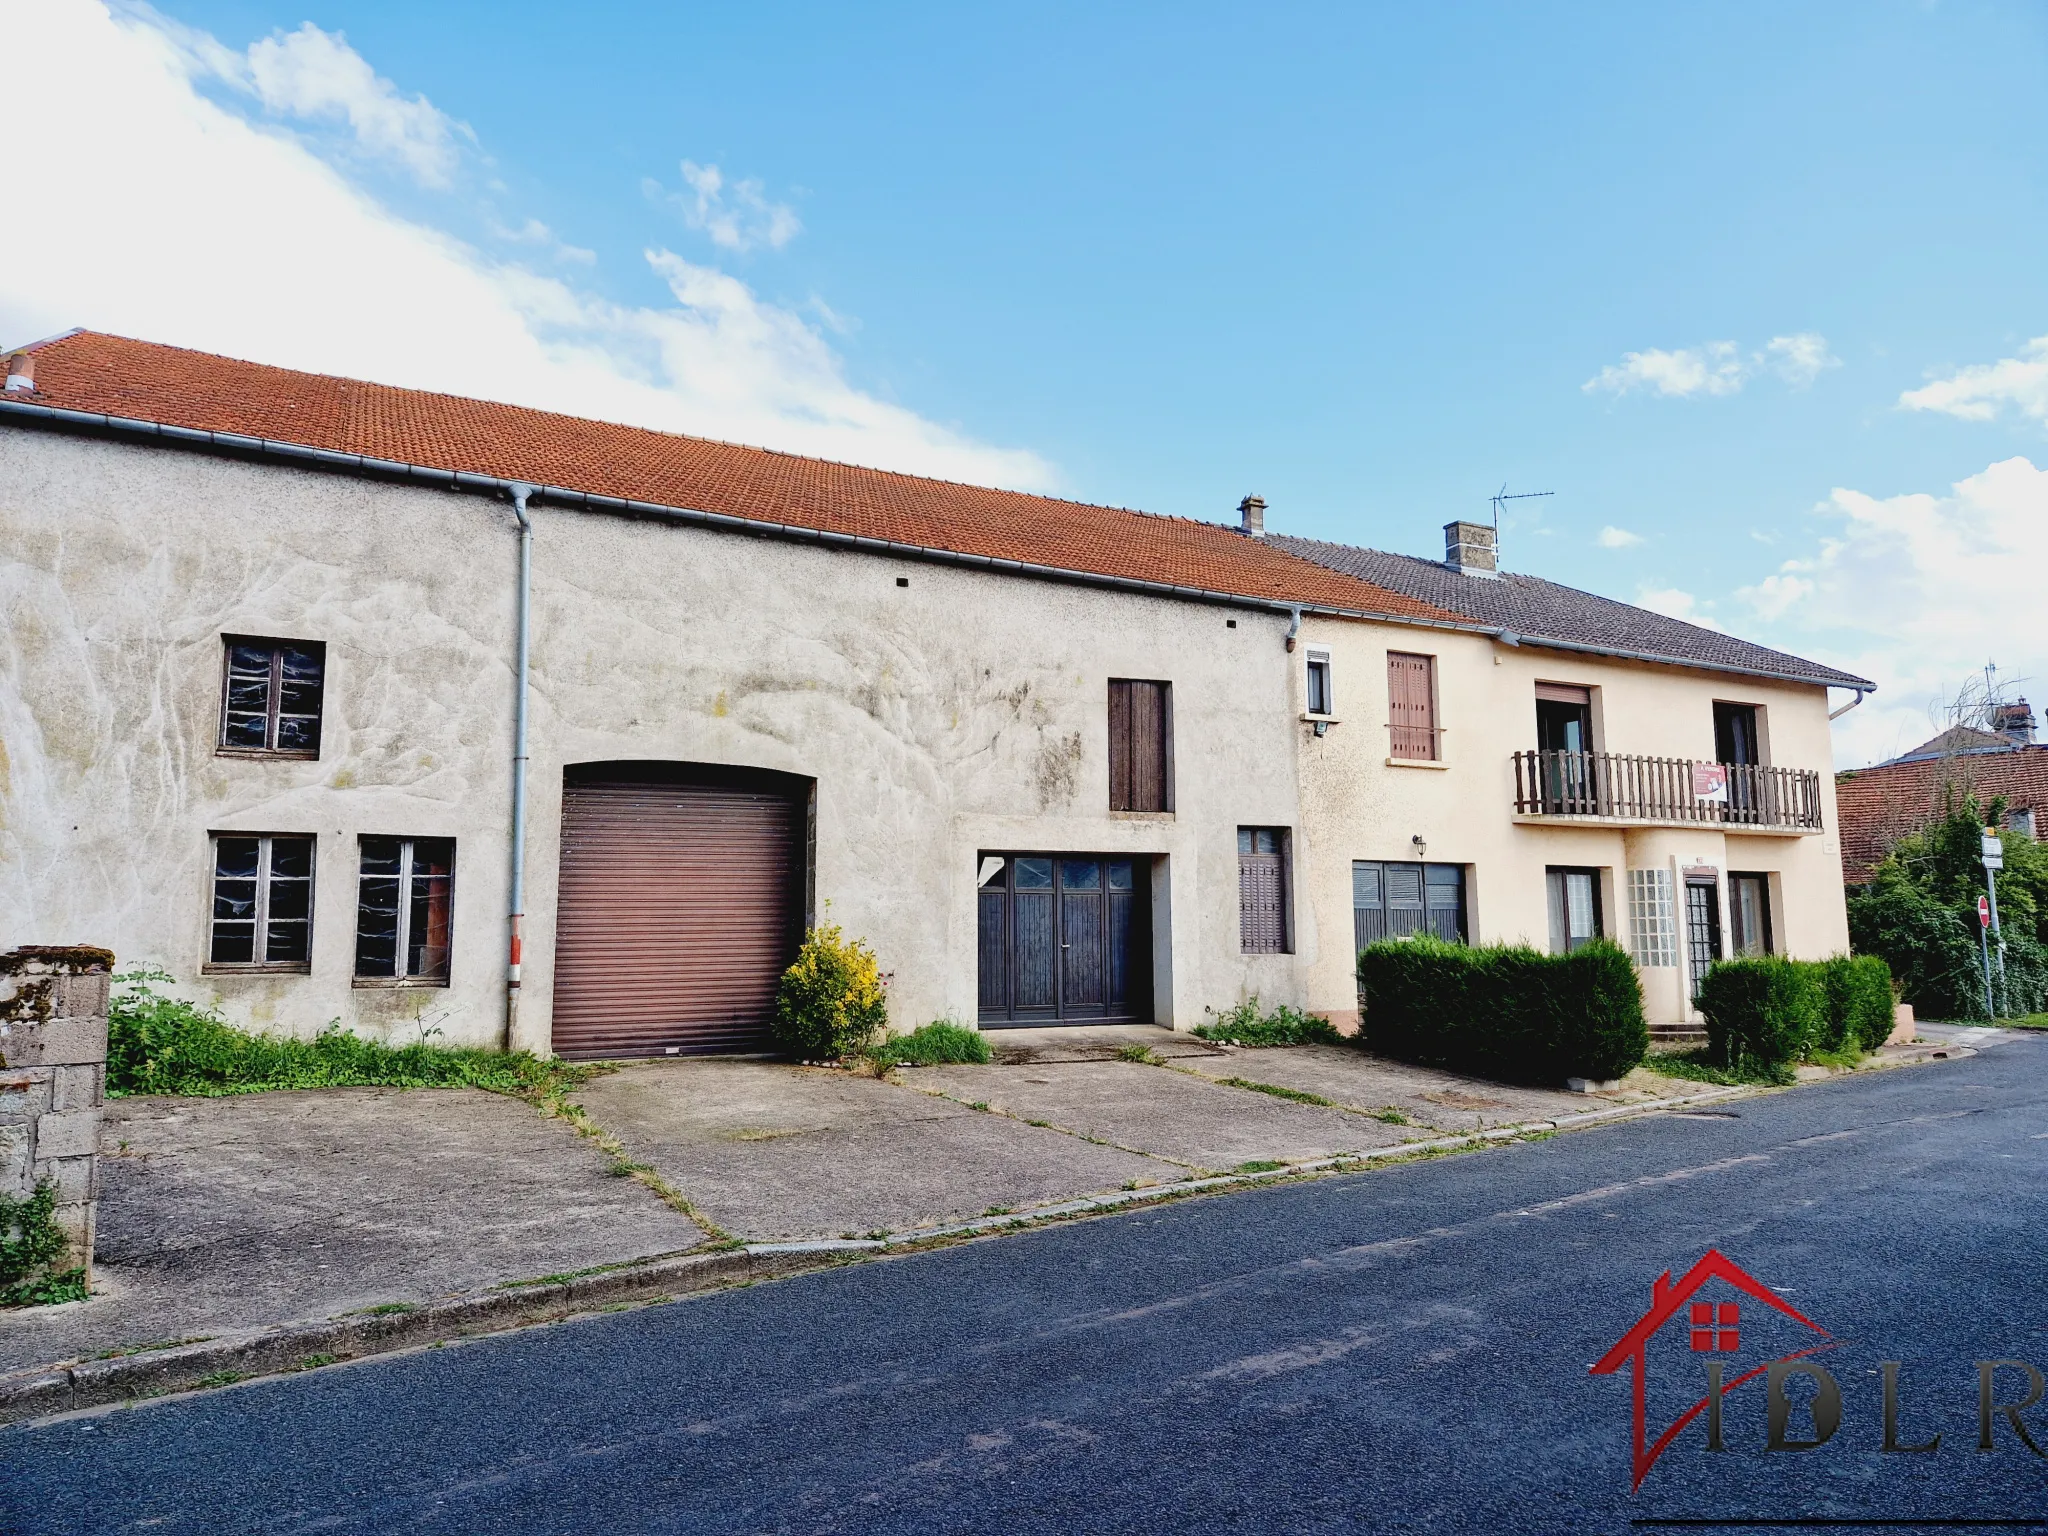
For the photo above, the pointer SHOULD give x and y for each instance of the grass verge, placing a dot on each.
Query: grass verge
(1694, 1066)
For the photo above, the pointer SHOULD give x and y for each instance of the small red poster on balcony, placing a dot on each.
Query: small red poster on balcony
(1710, 782)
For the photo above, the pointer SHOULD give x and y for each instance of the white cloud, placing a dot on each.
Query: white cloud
(533, 232)
(1713, 369)
(746, 221)
(1916, 592)
(1611, 537)
(1800, 359)
(158, 212)
(1716, 367)
(1979, 392)
(1675, 604)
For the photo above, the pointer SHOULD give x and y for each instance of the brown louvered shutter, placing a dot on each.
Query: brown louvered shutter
(679, 912)
(1411, 705)
(1261, 890)
(1140, 745)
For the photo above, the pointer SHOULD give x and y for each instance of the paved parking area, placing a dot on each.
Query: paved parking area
(222, 1214)
(773, 1151)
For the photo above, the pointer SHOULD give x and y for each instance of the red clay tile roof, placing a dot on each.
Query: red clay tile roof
(1875, 807)
(115, 376)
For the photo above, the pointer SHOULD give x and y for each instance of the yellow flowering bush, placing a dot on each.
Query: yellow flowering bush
(830, 1002)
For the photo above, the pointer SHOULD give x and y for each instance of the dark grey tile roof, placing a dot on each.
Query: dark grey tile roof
(1540, 610)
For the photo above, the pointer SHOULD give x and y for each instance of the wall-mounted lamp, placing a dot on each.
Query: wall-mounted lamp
(1421, 848)
(1322, 727)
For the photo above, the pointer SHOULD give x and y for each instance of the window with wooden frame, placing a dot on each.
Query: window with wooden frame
(1140, 745)
(1321, 699)
(271, 696)
(1262, 890)
(262, 903)
(404, 911)
(1574, 901)
(1411, 706)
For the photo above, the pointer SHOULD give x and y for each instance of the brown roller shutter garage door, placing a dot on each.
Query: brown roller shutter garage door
(680, 907)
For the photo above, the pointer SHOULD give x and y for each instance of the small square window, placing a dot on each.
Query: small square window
(272, 695)
(262, 903)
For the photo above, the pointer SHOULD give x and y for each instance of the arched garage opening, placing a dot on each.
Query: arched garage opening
(682, 900)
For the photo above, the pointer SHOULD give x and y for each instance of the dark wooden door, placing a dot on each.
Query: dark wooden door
(679, 909)
(1063, 939)
(1702, 926)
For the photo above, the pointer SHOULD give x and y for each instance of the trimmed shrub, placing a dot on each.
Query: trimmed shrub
(830, 1003)
(940, 1043)
(1858, 994)
(1245, 1025)
(1767, 1012)
(1503, 1011)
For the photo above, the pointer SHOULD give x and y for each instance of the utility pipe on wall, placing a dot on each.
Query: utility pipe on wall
(519, 493)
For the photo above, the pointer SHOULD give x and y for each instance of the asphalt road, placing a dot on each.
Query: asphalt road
(1405, 1349)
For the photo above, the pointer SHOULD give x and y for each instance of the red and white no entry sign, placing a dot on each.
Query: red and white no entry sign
(1983, 911)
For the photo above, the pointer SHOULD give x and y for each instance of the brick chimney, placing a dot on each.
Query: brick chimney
(21, 373)
(1251, 514)
(2015, 722)
(1468, 547)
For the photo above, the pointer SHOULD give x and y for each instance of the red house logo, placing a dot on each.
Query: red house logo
(1712, 1328)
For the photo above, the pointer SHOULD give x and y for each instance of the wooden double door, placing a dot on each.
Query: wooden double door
(1064, 938)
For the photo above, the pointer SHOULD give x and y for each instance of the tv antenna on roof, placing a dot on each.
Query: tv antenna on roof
(1502, 495)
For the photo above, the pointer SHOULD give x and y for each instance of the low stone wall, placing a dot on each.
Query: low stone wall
(53, 1081)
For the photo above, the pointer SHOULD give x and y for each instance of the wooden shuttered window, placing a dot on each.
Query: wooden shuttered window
(1411, 705)
(1140, 745)
(1262, 890)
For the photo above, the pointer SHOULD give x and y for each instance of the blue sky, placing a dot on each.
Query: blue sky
(1369, 262)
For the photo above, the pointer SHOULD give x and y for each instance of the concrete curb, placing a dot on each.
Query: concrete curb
(286, 1347)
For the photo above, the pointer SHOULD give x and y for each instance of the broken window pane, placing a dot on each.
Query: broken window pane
(403, 912)
(273, 695)
(262, 901)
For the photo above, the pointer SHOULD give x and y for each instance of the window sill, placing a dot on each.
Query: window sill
(303, 968)
(1436, 763)
(1313, 719)
(399, 983)
(1141, 815)
(262, 754)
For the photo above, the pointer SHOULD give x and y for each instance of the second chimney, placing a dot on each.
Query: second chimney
(21, 374)
(1252, 516)
(2015, 722)
(1468, 547)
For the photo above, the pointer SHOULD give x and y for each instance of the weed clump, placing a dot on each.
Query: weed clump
(1246, 1025)
(30, 1242)
(158, 1044)
(941, 1043)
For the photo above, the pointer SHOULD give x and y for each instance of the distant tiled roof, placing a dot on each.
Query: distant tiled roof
(1541, 610)
(1958, 738)
(1875, 807)
(113, 376)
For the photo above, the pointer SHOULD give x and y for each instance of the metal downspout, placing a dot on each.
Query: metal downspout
(1836, 714)
(519, 493)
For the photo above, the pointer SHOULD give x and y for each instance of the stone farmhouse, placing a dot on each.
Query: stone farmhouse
(349, 703)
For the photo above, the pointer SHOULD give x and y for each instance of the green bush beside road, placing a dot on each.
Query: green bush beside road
(1505, 1012)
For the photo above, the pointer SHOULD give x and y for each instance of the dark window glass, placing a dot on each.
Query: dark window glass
(271, 698)
(1120, 874)
(262, 901)
(1319, 701)
(404, 908)
(1076, 875)
(1034, 874)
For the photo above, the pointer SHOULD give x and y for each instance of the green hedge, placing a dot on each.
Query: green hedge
(1772, 1011)
(1503, 1011)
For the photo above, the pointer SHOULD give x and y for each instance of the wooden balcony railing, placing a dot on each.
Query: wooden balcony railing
(1619, 787)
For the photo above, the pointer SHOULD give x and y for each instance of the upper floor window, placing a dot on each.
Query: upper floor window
(270, 696)
(262, 902)
(1320, 699)
(1262, 890)
(1411, 705)
(1564, 718)
(404, 910)
(1140, 745)
(1736, 739)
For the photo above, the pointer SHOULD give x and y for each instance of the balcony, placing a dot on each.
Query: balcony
(1614, 788)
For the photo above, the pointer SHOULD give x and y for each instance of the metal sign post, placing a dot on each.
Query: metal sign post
(1994, 860)
(1984, 945)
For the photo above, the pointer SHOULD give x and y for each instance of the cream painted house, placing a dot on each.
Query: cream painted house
(350, 704)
